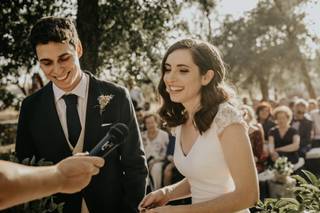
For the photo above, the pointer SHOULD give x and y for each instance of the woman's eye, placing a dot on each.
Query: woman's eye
(184, 70)
(64, 59)
(166, 70)
(46, 63)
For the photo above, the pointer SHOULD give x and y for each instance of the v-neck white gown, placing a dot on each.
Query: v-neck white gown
(204, 166)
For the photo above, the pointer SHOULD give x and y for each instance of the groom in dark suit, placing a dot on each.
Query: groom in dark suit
(71, 114)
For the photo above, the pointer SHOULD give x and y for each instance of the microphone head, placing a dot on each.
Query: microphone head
(119, 131)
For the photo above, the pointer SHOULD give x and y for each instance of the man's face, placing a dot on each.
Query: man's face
(60, 63)
(140, 115)
(299, 110)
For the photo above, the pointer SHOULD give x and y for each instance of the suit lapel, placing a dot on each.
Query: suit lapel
(93, 118)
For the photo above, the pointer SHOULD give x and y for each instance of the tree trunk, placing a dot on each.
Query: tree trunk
(307, 81)
(264, 87)
(88, 30)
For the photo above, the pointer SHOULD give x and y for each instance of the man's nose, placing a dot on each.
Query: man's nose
(57, 68)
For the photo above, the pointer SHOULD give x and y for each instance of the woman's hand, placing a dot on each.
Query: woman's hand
(274, 156)
(154, 199)
(162, 209)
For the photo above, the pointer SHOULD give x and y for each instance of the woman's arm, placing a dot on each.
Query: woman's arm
(178, 190)
(294, 146)
(274, 155)
(162, 196)
(271, 144)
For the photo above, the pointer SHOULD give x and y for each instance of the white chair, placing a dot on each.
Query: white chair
(313, 153)
(299, 164)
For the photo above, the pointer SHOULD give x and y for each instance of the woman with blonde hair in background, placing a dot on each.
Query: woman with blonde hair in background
(283, 139)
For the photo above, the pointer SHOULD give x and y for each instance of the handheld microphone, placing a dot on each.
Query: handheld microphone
(114, 138)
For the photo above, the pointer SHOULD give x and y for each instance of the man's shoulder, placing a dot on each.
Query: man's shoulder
(36, 96)
(109, 86)
(307, 121)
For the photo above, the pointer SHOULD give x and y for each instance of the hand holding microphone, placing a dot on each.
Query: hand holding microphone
(114, 138)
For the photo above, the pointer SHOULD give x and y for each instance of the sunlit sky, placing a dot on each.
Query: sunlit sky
(237, 9)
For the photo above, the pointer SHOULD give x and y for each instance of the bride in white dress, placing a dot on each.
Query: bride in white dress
(212, 148)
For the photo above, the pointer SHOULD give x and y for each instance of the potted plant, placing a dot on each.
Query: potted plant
(307, 197)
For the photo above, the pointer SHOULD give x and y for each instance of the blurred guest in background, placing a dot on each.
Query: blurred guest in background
(263, 112)
(155, 142)
(283, 139)
(303, 125)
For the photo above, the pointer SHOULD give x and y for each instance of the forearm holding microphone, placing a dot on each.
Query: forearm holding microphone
(20, 183)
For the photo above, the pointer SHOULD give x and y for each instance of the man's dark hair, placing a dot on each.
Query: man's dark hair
(56, 29)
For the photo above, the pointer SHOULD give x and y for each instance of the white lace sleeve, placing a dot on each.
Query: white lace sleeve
(227, 115)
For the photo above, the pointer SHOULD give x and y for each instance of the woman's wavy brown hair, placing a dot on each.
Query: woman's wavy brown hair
(206, 57)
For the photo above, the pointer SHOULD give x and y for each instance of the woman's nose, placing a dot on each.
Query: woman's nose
(171, 76)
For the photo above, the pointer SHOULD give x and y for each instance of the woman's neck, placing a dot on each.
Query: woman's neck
(263, 120)
(191, 109)
(283, 127)
(152, 133)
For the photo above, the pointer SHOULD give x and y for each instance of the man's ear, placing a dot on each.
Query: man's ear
(79, 48)
(206, 78)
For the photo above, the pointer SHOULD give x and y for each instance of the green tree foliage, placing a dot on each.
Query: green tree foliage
(123, 37)
(265, 47)
(307, 197)
(16, 55)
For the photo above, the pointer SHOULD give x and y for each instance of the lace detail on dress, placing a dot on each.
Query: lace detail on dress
(227, 115)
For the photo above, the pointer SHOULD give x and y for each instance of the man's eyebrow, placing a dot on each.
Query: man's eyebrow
(63, 54)
(47, 59)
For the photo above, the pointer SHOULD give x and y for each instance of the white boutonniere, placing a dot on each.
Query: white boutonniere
(104, 101)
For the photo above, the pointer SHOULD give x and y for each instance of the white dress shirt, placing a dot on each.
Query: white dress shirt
(81, 90)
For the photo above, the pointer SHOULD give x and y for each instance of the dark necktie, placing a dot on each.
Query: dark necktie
(73, 120)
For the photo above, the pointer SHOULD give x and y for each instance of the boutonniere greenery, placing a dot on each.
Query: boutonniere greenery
(104, 101)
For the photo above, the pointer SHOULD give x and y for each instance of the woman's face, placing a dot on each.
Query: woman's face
(264, 113)
(182, 78)
(282, 119)
(151, 123)
(312, 106)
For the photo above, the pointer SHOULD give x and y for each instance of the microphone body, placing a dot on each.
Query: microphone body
(114, 138)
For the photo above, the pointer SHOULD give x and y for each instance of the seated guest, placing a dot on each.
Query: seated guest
(256, 135)
(140, 115)
(259, 149)
(155, 142)
(315, 117)
(312, 105)
(263, 112)
(170, 172)
(303, 125)
(283, 139)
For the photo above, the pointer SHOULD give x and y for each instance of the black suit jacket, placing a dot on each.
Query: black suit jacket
(121, 183)
(305, 129)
